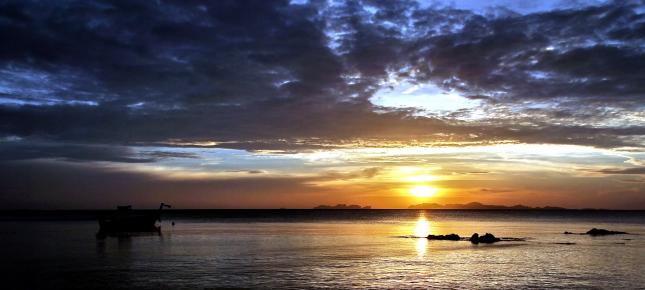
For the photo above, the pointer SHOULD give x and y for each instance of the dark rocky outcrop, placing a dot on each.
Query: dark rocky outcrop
(485, 239)
(597, 232)
(342, 206)
(603, 232)
(477, 205)
(450, 237)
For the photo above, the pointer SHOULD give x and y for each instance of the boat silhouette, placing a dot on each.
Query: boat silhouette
(126, 221)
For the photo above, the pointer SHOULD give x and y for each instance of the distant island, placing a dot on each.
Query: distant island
(342, 206)
(477, 205)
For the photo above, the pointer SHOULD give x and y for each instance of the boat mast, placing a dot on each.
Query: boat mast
(161, 206)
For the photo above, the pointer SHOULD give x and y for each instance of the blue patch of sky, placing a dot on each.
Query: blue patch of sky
(580, 158)
(223, 160)
(427, 97)
(137, 105)
(10, 138)
(540, 75)
(44, 102)
(20, 86)
(518, 6)
(298, 2)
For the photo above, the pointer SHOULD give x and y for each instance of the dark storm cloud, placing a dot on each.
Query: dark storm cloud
(166, 154)
(578, 53)
(265, 74)
(12, 151)
(170, 53)
(26, 150)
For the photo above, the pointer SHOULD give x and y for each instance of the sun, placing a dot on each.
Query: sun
(423, 191)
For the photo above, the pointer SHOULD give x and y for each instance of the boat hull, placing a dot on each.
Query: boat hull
(128, 224)
(125, 221)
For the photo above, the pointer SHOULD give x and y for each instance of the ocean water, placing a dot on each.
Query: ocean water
(282, 249)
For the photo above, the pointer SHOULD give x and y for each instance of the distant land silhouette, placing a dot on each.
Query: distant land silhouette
(477, 205)
(342, 206)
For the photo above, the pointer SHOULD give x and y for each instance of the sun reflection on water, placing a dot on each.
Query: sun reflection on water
(422, 226)
(421, 246)
(421, 231)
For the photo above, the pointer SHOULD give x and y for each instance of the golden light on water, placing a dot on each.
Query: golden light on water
(421, 247)
(421, 227)
(421, 230)
(423, 191)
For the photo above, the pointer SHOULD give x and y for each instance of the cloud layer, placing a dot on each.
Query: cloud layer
(258, 72)
(104, 102)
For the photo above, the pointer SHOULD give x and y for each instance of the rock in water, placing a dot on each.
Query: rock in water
(488, 238)
(603, 232)
(474, 238)
(450, 237)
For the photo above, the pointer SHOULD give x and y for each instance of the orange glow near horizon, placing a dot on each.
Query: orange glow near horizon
(394, 177)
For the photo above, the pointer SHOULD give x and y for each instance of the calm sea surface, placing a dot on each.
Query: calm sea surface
(326, 249)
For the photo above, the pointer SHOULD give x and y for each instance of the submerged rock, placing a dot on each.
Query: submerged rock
(450, 237)
(603, 232)
(512, 239)
(486, 239)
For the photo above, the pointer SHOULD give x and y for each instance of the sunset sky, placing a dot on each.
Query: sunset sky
(292, 104)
